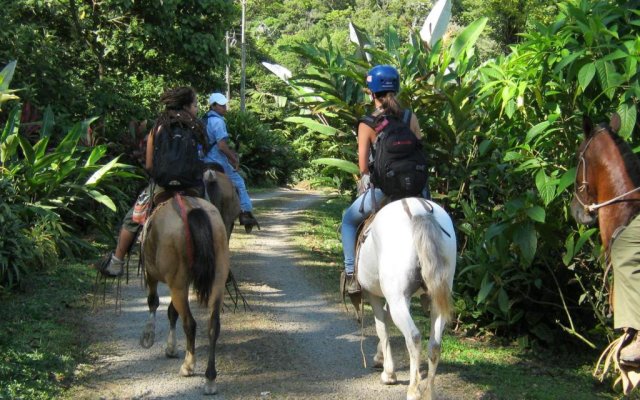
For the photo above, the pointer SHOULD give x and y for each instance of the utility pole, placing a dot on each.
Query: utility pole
(243, 59)
(227, 72)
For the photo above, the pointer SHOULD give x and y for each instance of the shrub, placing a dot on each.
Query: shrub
(265, 154)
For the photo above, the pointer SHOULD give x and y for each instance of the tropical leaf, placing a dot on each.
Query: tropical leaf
(526, 239)
(546, 187)
(567, 179)
(70, 141)
(536, 213)
(95, 178)
(586, 74)
(96, 154)
(536, 130)
(503, 301)
(343, 165)
(12, 125)
(102, 199)
(6, 75)
(27, 149)
(48, 122)
(608, 77)
(628, 114)
(313, 125)
(485, 288)
(467, 38)
(8, 147)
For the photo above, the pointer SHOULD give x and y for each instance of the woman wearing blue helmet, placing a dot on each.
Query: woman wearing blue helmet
(383, 82)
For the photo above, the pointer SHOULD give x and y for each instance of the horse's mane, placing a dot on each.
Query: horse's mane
(631, 160)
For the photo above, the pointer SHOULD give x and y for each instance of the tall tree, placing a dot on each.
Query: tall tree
(111, 58)
(507, 19)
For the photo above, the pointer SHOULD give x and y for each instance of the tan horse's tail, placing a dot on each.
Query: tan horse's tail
(204, 257)
(429, 241)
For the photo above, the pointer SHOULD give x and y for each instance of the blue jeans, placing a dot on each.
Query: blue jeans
(351, 219)
(238, 182)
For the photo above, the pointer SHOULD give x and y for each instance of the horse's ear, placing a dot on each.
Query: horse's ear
(587, 125)
(615, 122)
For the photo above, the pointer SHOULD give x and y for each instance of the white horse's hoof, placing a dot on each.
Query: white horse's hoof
(388, 379)
(210, 387)
(378, 361)
(186, 370)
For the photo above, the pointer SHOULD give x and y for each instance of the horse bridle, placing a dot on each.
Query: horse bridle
(584, 185)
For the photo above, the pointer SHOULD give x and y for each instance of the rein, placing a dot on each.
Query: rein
(590, 208)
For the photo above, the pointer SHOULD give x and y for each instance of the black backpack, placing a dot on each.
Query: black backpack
(176, 162)
(399, 166)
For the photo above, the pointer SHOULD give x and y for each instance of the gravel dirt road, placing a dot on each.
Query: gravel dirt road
(296, 341)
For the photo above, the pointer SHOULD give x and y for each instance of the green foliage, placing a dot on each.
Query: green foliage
(506, 20)
(49, 192)
(502, 137)
(112, 60)
(266, 154)
(331, 95)
(42, 340)
(19, 250)
(534, 100)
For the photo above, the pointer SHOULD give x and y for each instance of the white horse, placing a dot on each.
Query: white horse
(410, 247)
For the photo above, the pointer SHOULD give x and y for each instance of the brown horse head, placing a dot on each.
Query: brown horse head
(606, 175)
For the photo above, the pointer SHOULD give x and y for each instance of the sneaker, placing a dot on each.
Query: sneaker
(248, 220)
(112, 266)
(352, 286)
(630, 354)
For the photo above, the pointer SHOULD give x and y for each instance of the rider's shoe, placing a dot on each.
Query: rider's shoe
(248, 220)
(630, 354)
(112, 266)
(352, 286)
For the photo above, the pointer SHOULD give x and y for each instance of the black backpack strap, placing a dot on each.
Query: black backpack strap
(369, 120)
(406, 117)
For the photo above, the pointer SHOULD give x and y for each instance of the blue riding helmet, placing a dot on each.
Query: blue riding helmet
(383, 78)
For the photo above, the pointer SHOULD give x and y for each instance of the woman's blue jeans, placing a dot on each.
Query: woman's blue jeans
(353, 216)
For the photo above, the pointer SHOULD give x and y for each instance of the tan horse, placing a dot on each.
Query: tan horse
(185, 241)
(221, 192)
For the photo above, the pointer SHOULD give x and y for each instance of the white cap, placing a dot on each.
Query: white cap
(217, 98)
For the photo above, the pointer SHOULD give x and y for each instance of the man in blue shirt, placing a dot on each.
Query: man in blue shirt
(220, 153)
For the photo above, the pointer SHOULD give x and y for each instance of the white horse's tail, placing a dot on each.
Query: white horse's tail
(429, 241)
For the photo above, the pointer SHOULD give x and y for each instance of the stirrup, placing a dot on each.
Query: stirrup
(355, 298)
(105, 266)
(248, 220)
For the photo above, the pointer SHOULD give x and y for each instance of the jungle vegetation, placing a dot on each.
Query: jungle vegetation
(500, 99)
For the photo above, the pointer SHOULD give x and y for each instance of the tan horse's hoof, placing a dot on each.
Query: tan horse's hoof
(415, 393)
(148, 338)
(171, 353)
(186, 370)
